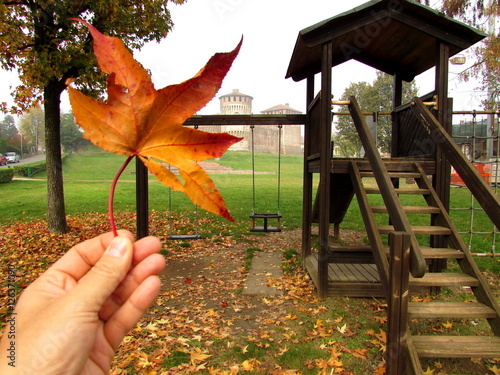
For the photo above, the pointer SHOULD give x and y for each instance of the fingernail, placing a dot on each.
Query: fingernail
(117, 247)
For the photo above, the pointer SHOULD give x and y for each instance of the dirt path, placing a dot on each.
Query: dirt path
(213, 279)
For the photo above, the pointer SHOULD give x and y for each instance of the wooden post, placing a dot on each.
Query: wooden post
(397, 100)
(442, 178)
(325, 168)
(307, 191)
(398, 303)
(142, 198)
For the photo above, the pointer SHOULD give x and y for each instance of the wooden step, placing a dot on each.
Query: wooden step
(394, 174)
(425, 229)
(400, 191)
(460, 310)
(428, 252)
(457, 346)
(444, 279)
(409, 209)
(441, 253)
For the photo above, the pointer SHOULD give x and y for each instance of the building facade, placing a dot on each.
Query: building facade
(266, 138)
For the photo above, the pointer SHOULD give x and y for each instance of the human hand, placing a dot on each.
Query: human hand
(73, 317)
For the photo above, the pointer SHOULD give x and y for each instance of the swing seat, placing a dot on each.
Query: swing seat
(184, 237)
(265, 216)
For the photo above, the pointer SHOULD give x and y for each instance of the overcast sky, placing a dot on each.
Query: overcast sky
(270, 29)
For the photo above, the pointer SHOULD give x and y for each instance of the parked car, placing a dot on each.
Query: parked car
(3, 160)
(12, 157)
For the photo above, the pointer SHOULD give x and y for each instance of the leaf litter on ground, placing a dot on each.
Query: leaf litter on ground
(207, 326)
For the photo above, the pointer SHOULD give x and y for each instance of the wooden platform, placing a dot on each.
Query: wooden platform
(348, 279)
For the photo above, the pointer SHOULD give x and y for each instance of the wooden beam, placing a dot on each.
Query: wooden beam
(207, 120)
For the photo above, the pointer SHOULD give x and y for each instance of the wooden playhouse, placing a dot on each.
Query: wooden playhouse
(401, 38)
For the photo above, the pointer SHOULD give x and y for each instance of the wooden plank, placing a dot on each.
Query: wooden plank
(337, 273)
(441, 253)
(311, 264)
(418, 229)
(409, 209)
(444, 279)
(400, 191)
(457, 346)
(370, 272)
(360, 273)
(370, 290)
(461, 310)
(394, 174)
(208, 120)
(341, 165)
(346, 272)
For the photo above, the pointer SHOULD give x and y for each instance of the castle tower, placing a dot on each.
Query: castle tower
(235, 103)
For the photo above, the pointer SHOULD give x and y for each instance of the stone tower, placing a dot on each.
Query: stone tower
(235, 103)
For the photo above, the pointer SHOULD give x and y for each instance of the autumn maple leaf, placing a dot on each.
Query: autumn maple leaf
(138, 120)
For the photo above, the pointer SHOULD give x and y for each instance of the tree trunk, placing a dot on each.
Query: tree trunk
(56, 214)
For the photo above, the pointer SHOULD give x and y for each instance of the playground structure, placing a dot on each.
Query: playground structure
(403, 39)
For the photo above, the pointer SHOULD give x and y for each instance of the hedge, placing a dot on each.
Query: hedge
(6, 175)
(29, 170)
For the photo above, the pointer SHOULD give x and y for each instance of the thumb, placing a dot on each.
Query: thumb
(101, 281)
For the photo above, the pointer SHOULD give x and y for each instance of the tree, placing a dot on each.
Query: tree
(346, 137)
(8, 129)
(484, 15)
(71, 133)
(31, 127)
(38, 39)
(376, 97)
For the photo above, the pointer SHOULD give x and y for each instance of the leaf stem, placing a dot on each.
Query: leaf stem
(112, 195)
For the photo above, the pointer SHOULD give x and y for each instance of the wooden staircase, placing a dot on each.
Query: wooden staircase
(485, 306)
(420, 215)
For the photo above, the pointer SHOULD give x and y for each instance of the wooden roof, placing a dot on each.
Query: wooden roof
(391, 36)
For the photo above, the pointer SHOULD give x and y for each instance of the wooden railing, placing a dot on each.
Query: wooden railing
(398, 218)
(484, 195)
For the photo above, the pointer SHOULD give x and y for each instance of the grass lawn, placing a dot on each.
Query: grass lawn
(88, 176)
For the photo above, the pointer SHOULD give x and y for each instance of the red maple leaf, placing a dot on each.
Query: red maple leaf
(138, 120)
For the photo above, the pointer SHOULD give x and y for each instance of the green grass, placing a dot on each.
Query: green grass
(88, 176)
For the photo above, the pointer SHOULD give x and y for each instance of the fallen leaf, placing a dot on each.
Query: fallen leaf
(342, 329)
(494, 370)
(197, 356)
(448, 325)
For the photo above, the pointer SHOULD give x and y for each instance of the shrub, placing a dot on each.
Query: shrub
(6, 175)
(29, 170)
